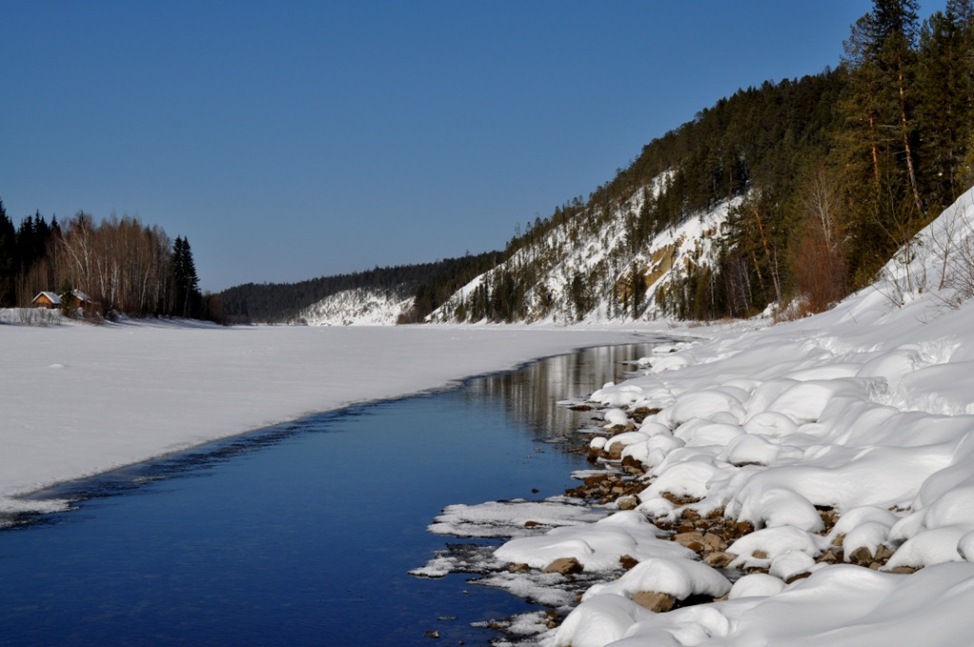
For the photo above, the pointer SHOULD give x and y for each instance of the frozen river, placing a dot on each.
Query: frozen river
(302, 533)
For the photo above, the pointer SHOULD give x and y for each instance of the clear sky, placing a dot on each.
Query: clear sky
(289, 140)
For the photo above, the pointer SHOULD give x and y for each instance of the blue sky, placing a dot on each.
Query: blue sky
(292, 140)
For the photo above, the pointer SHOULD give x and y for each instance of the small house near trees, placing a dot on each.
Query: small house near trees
(51, 300)
(47, 300)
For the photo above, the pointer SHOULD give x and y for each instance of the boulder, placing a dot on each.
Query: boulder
(719, 559)
(564, 566)
(655, 602)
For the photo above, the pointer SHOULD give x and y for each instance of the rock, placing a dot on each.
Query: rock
(655, 602)
(713, 543)
(628, 562)
(516, 568)
(719, 559)
(760, 554)
(829, 557)
(627, 503)
(685, 538)
(564, 566)
(595, 480)
(433, 633)
(531, 524)
(798, 576)
(632, 466)
(744, 528)
(861, 556)
(903, 570)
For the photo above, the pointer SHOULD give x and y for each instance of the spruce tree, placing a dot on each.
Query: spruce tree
(186, 294)
(8, 258)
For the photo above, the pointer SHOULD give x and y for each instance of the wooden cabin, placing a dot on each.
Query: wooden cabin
(50, 300)
(47, 300)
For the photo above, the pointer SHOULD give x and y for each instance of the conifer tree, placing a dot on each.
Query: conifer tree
(186, 294)
(8, 258)
(946, 84)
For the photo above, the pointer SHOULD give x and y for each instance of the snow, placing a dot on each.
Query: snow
(679, 578)
(510, 518)
(865, 413)
(357, 307)
(597, 546)
(80, 399)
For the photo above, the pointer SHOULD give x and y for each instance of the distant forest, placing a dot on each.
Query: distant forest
(430, 283)
(122, 265)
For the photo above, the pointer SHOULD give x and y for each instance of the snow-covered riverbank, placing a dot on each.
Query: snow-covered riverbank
(845, 445)
(76, 399)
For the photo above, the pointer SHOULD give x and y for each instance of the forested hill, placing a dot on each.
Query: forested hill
(788, 194)
(430, 283)
(792, 192)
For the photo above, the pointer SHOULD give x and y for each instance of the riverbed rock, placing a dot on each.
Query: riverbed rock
(655, 602)
(627, 503)
(713, 543)
(564, 566)
(903, 570)
(692, 540)
(719, 559)
(861, 556)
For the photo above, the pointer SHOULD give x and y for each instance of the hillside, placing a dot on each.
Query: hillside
(424, 283)
(362, 306)
(791, 194)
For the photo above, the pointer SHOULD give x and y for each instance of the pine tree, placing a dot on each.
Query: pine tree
(8, 258)
(186, 294)
(886, 205)
(946, 83)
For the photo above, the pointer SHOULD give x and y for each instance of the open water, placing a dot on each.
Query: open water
(300, 534)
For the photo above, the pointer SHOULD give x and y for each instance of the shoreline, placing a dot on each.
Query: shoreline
(827, 462)
(141, 391)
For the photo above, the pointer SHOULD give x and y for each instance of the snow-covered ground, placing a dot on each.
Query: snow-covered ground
(77, 399)
(846, 440)
(850, 433)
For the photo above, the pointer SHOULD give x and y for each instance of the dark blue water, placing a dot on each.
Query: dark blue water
(302, 534)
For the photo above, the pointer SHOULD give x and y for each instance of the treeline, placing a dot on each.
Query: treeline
(122, 265)
(430, 283)
(837, 171)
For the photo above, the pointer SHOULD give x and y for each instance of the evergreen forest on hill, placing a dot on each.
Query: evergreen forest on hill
(836, 170)
(430, 283)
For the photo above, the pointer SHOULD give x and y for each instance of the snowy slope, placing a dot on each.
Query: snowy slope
(597, 250)
(356, 307)
(861, 417)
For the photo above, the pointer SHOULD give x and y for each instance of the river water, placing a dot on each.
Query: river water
(300, 534)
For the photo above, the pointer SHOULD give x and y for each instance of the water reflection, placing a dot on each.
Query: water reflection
(303, 533)
(530, 395)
